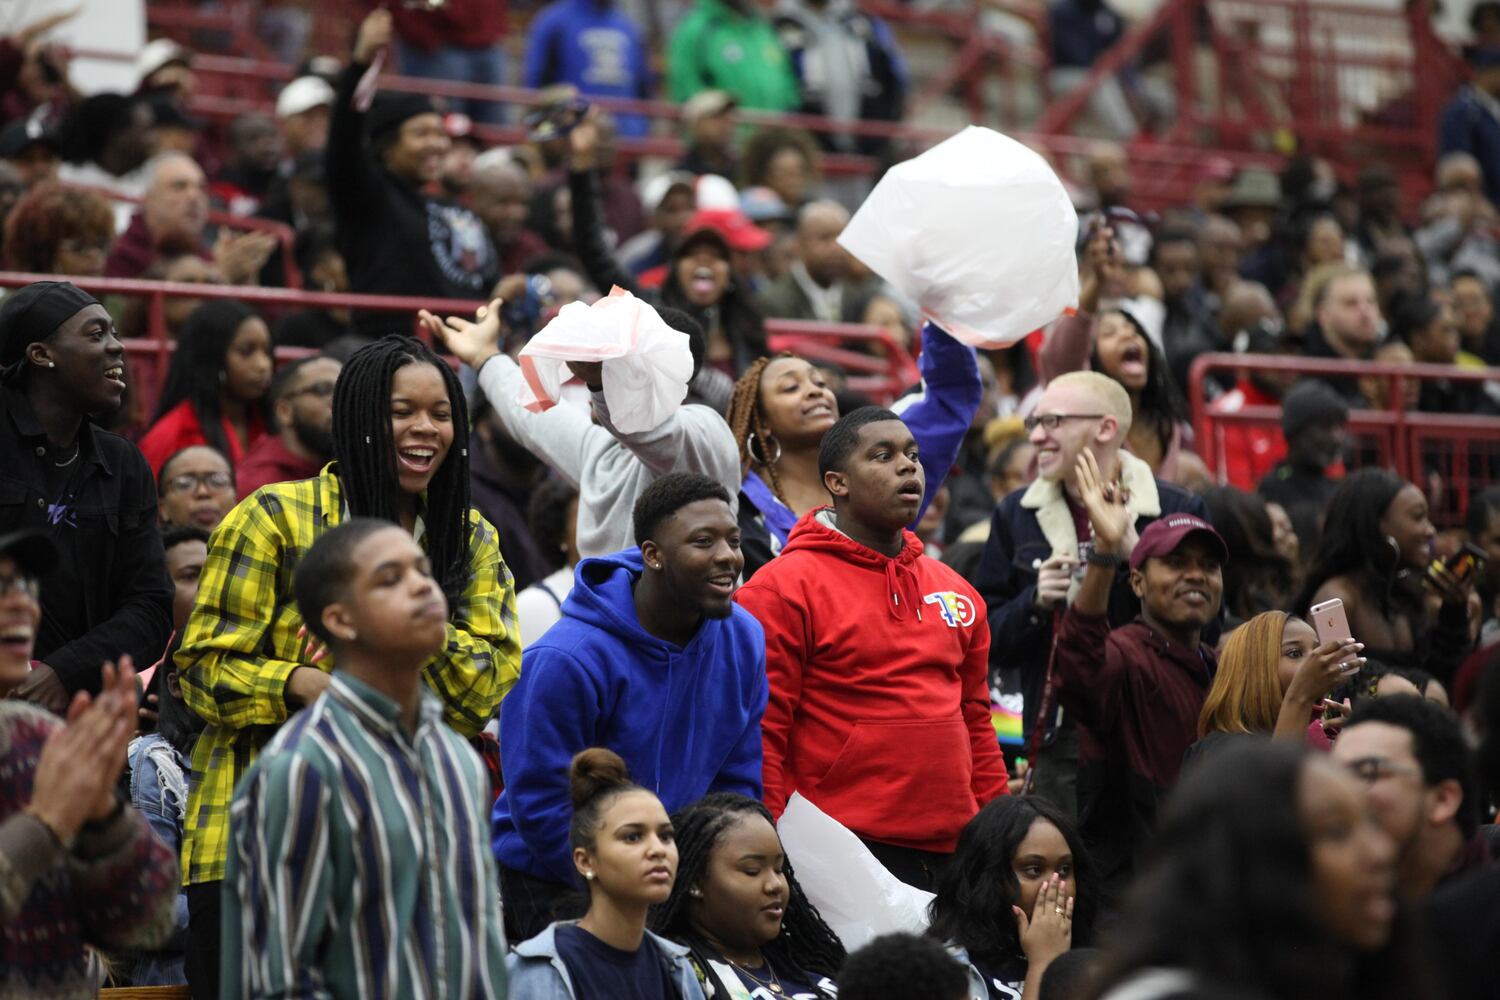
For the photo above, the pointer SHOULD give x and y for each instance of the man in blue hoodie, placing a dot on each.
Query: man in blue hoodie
(596, 47)
(652, 659)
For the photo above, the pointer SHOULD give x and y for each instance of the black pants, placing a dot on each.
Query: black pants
(910, 865)
(202, 956)
(532, 903)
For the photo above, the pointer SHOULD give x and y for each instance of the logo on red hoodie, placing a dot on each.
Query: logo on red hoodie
(956, 609)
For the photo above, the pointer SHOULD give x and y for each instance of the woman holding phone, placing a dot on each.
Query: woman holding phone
(1375, 556)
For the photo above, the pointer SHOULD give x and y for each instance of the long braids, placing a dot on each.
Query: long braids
(806, 942)
(365, 450)
(746, 421)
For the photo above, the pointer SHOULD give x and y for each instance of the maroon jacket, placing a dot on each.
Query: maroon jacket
(269, 461)
(1137, 697)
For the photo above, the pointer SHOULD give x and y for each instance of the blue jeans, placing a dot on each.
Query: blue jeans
(486, 66)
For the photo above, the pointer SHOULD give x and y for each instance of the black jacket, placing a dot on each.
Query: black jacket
(395, 239)
(109, 592)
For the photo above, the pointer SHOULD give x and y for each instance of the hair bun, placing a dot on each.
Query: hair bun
(593, 771)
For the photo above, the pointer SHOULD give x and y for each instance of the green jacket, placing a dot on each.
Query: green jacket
(718, 48)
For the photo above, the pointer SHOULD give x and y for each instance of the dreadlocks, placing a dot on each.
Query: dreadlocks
(365, 450)
(806, 942)
(746, 421)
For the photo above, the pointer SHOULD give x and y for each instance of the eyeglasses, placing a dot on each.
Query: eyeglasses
(189, 481)
(28, 586)
(1051, 421)
(1372, 769)
(322, 390)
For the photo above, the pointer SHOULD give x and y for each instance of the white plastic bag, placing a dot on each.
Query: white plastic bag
(979, 232)
(854, 892)
(647, 364)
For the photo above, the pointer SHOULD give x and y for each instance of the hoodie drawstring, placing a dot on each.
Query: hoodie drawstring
(902, 583)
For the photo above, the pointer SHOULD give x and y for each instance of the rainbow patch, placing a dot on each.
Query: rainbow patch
(1007, 724)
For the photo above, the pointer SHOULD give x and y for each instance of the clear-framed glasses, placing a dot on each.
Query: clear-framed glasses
(1051, 421)
(187, 482)
(29, 586)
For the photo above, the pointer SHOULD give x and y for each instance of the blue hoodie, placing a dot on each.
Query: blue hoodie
(686, 719)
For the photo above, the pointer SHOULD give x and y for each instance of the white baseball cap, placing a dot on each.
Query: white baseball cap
(303, 94)
(157, 53)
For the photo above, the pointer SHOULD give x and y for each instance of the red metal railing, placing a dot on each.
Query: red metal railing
(1462, 449)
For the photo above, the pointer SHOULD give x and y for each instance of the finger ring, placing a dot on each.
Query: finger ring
(1059, 909)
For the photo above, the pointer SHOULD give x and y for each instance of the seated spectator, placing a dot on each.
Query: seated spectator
(1158, 424)
(1412, 759)
(902, 967)
(82, 869)
(553, 519)
(106, 141)
(33, 149)
(165, 69)
(343, 772)
(1319, 241)
(622, 844)
(1268, 872)
(499, 194)
(1428, 327)
(299, 198)
(1257, 577)
(926, 757)
(784, 160)
(1466, 125)
(196, 486)
(396, 239)
(217, 389)
(820, 284)
(1313, 421)
(173, 129)
(185, 269)
(730, 45)
(58, 230)
(737, 905)
(171, 221)
(107, 594)
(630, 613)
(708, 120)
(1374, 556)
(502, 477)
(1137, 689)
(1377, 391)
(1244, 454)
(611, 469)
(254, 164)
(594, 46)
(848, 66)
(301, 399)
(246, 681)
(1474, 304)
(303, 109)
(323, 270)
(1190, 327)
(1019, 893)
(1285, 535)
(671, 198)
(1272, 678)
(1346, 325)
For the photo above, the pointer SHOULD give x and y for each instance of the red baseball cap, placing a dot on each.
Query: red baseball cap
(730, 223)
(1163, 535)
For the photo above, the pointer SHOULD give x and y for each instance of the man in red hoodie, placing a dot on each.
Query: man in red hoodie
(878, 661)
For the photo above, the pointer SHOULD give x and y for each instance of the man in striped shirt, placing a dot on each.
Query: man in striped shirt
(358, 864)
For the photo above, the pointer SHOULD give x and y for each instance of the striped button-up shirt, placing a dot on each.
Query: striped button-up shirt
(240, 645)
(359, 862)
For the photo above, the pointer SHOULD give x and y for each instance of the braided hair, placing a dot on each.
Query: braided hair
(365, 449)
(746, 421)
(806, 942)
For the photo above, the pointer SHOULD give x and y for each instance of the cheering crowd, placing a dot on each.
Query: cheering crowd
(362, 677)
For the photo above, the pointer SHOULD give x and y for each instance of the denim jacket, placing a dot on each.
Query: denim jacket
(537, 972)
(158, 790)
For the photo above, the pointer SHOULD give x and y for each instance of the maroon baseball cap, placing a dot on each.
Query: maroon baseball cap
(1163, 535)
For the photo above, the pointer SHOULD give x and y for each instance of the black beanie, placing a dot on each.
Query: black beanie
(1311, 401)
(389, 110)
(32, 313)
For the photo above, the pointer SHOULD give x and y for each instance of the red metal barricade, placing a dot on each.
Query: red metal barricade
(1451, 455)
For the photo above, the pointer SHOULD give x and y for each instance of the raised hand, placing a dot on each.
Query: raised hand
(583, 141)
(472, 343)
(1105, 503)
(1323, 669)
(374, 35)
(1049, 931)
(81, 761)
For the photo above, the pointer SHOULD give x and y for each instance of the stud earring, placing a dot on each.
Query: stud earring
(52, 364)
(589, 876)
(696, 892)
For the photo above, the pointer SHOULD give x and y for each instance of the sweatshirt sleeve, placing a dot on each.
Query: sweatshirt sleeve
(125, 883)
(559, 436)
(692, 439)
(989, 776)
(588, 235)
(1089, 668)
(1067, 347)
(552, 714)
(941, 410)
(787, 640)
(352, 182)
(742, 771)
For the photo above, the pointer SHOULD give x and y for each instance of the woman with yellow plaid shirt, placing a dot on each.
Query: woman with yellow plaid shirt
(400, 453)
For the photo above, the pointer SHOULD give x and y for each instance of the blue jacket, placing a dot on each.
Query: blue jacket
(685, 719)
(1468, 125)
(535, 971)
(595, 47)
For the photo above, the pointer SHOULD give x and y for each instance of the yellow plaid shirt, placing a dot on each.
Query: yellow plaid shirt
(240, 645)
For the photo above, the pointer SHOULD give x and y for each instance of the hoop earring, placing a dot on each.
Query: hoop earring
(761, 459)
(1395, 545)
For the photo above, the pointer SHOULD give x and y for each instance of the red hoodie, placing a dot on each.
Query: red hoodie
(880, 708)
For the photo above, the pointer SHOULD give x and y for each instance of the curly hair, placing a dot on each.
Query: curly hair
(50, 215)
(805, 943)
(747, 420)
(765, 144)
(547, 517)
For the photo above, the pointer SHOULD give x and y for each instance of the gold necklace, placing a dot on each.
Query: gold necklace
(773, 984)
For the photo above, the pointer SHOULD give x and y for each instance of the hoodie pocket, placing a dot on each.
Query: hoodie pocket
(907, 779)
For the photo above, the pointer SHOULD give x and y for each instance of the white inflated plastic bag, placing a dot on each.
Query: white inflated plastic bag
(647, 364)
(979, 232)
(856, 895)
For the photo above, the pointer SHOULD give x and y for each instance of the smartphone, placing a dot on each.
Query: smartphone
(1465, 564)
(1330, 621)
(553, 121)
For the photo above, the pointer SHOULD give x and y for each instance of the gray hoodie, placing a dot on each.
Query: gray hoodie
(611, 468)
(536, 972)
